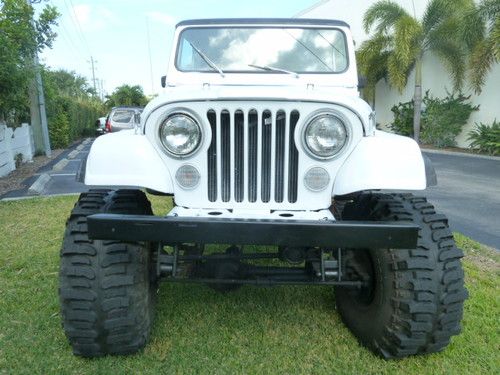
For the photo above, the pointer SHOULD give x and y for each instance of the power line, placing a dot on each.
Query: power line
(76, 24)
(67, 37)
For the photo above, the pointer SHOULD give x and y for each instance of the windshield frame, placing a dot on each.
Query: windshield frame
(261, 26)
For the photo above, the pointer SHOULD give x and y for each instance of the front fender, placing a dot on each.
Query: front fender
(383, 161)
(126, 159)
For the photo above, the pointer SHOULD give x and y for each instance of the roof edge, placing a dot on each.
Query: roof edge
(262, 21)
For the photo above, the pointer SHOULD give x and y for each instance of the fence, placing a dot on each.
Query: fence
(14, 142)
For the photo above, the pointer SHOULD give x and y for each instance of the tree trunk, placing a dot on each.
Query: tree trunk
(417, 99)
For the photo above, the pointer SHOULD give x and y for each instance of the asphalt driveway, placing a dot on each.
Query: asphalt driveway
(468, 190)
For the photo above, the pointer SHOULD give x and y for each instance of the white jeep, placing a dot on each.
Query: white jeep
(261, 138)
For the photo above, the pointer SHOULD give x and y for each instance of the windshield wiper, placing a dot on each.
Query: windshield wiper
(207, 59)
(273, 69)
(309, 50)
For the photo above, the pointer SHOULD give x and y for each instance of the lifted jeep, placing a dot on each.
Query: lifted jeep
(262, 139)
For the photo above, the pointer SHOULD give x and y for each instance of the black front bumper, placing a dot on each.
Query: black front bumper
(174, 230)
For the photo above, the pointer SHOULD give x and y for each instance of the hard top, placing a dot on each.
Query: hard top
(262, 21)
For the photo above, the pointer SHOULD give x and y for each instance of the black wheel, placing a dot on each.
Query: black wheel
(107, 288)
(413, 302)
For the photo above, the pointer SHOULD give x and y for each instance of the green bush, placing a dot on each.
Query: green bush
(59, 131)
(403, 119)
(68, 93)
(443, 119)
(485, 138)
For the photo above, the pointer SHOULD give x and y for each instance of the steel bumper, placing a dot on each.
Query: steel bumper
(172, 230)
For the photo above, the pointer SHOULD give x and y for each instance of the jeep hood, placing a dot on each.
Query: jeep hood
(183, 94)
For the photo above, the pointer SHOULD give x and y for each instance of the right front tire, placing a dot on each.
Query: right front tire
(107, 288)
(413, 302)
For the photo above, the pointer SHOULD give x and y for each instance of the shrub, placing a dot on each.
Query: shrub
(69, 93)
(485, 138)
(59, 131)
(443, 119)
(403, 119)
(18, 160)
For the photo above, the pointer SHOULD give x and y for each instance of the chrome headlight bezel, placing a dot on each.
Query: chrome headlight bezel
(167, 148)
(314, 117)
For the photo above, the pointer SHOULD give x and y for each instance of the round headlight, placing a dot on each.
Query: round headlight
(180, 134)
(325, 136)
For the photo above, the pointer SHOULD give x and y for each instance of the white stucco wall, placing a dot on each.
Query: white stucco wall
(435, 77)
(13, 142)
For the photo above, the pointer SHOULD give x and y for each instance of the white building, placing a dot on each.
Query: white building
(435, 76)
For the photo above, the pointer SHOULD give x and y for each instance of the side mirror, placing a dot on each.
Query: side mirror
(163, 81)
(362, 81)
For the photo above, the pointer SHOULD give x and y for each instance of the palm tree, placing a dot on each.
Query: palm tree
(400, 41)
(481, 33)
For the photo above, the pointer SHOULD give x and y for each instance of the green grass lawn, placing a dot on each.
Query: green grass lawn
(252, 330)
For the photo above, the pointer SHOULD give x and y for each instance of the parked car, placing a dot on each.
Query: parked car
(121, 118)
(100, 125)
(262, 139)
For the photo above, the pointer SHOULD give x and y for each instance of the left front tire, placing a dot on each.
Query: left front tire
(107, 288)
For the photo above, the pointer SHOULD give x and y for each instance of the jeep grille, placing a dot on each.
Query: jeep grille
(252, 156)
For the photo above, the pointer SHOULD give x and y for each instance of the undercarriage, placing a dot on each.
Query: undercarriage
(306, 245)
(234, 267)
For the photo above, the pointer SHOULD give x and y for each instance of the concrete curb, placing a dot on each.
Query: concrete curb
(59, 166)
(73, 154)
(39, 185)
(462, 154)
(37, 197)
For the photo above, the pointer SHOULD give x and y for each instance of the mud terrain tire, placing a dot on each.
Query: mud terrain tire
(416, 300)
(106, 290)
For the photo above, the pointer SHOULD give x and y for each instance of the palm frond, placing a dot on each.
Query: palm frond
(480, 63)
(489, 9)
(384, 14)
(435, 12)
(372, 59)
(454, 58)
(407, 41)
(495, 38)
(471, 26)
(447, 30)
(397, 73)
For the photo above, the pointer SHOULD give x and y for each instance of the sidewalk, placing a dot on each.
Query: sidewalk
(57, 176)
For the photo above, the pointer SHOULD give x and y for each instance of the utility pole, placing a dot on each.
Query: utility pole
(102, 89)
(37, 108)
(92, 61)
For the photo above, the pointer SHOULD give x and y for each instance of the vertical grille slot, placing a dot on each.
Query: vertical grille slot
(279, 171)
(239, 156)
(212, 158)
(225, 155)
(252, 156)
(267, 126)
(293, 159)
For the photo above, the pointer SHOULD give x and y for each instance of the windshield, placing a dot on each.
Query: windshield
(122, 116)
(252, 49)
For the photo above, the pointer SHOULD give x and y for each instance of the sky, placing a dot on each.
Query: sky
(114, 33)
